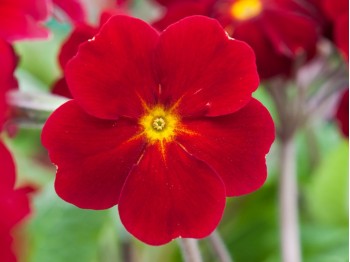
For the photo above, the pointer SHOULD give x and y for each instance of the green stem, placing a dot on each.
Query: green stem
(219, 247)
(190, 250)
(32, 108)
(288, 200)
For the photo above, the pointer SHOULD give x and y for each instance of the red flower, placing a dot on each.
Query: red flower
(23, 19)
(20, 19)
(7, 254)
(342, 114)
(8, 63)
(13, 202)
(82, 32)
(73, 9)
(338, 12)
(162, 125)
(175, 2)
(268, 26)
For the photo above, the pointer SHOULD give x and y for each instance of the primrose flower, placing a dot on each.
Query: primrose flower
(13, 202)
(162, 124)
(8, 63)
(342, 113)
(268, 26)
(81, 33)
(73, 10)
(22, 19)
(338, 13)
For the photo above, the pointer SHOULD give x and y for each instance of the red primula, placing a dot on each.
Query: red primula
(13, 202)
(268, 26)
(81, 33)
(338, 12)
(20, 19)
(162, 125)
(342, 113)
(8, 63)
(23, 19)
(74, 10)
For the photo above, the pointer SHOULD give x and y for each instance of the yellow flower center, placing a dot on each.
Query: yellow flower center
(159, 124)
(246, 9)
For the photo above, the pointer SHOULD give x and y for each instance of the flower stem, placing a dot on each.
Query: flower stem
(32, 108)
(190, 250)
(127, 251)
(288, 197)
(219, 247)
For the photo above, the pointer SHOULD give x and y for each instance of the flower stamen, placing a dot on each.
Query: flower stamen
(158, 124)
(246, 9)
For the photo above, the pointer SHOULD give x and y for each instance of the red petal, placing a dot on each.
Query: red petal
(210, 73)
(341, 35)
(280, 28)
(15, 204)
(8, 63)
(269, 62)
(171, 3)
(178, 196)
(16, 25)
(334, 9)
(93, 156)
(114, 66)
(234, 146)
(80, 34)
(6, 254)
(7, 169)
(342, 114)
(178, 11)
(61, 88)
(37, 9)
(73, 8)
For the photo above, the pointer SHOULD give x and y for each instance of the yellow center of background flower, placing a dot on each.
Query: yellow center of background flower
(246, 9)
(159, 124)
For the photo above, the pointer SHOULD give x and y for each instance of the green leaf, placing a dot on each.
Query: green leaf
(327, 192)
(62, 232)
(325, 243)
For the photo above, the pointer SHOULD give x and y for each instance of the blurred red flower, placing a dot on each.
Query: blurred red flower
(162, 125)
(21, 19)
(74, 10)
(268, 26)
(342, 113)
(14, 204)
(8, 63)
(338, 13)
